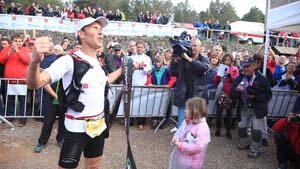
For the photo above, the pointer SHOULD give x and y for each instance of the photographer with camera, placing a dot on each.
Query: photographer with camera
(189, 67)
(287, 140)
(255, 92)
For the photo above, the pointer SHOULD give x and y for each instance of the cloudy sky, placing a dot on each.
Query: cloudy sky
(241, 6)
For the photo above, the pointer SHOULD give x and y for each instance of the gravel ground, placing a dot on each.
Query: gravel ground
(151, 151)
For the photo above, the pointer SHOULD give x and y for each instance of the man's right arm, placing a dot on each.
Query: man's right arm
(34, 78)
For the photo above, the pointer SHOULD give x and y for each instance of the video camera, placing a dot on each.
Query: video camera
(295, 118)
(251, 91)
(181, 44)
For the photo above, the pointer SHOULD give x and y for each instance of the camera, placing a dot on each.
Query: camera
(251, 91)
(295, 118)
(181, 44)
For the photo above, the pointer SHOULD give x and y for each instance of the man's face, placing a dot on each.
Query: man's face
(140, 49)
(77, 47)
(258, 63)
(238, 56)
(4, 44)
(218, 51)
(196, 47)
(293, 59)
(245, 53)
(132, 48)
(65, 45)
(282, 59)
(18, 42)
(92, 35)
(249, 69)
(118, 53)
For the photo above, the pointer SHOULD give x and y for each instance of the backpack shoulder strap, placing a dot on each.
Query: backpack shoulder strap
(80, 67)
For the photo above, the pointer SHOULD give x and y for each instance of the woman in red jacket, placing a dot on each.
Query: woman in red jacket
(287, 140)
(224, 100)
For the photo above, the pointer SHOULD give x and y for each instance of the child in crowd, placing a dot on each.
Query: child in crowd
(213, 68)
(223, 99)
(160, 74)
(191, 139)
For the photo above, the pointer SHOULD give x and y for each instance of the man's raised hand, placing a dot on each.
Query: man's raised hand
(42, 45)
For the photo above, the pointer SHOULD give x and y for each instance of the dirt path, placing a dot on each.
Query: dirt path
(151, 151)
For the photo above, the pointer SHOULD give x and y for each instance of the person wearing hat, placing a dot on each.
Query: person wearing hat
(113, 63)
(84, 130)
(255, 93)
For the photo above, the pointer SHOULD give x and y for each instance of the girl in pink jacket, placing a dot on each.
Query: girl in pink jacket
(191, 139)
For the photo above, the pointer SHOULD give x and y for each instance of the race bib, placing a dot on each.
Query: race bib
(94, 127)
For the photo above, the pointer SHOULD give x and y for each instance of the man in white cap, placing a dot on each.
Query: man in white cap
(84, 130)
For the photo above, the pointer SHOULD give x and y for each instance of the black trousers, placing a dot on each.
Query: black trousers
(227, 119)
(284, 150)
(50, 112)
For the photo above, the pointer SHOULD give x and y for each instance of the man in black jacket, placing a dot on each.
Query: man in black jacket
(259, 68)
(254, 90)
(191, 81)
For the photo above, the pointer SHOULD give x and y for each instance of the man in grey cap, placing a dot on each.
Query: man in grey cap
(255, 91)
(84, 129)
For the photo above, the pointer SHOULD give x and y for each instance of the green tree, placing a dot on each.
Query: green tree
(184, 13)
(221, 11)
(254, 15)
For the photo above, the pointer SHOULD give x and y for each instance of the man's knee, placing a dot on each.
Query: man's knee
(68, 163)
(256, 135)
(242, 132)
(93, 163)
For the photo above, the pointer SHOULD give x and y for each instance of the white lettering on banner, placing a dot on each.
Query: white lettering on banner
(17, 89)
(21, 22)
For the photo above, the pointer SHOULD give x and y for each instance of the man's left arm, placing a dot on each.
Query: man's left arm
(200, 66)
(264, 92)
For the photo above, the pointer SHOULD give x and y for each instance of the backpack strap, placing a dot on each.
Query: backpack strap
(80, 67)
(72, 92)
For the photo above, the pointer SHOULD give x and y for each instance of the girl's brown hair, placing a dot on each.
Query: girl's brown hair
(197, 109)
(227, 55)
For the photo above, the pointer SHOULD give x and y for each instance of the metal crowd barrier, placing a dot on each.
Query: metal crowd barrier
(147, 101)
(280, 105)
(15, 94)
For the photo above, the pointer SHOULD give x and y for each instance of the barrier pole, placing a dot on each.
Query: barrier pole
(7, 122)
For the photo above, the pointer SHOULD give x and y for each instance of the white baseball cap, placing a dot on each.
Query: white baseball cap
(86, 21)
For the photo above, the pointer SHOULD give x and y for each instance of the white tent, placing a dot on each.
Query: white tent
(284, 18)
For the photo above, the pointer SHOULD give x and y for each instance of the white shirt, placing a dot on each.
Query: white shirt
(93, 83)
(139, 77)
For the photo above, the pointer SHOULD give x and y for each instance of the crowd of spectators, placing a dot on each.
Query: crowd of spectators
(75, 12)
(283, 73)
(36, 9)
(153, 18)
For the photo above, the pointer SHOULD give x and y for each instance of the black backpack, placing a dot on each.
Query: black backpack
(68, 98)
